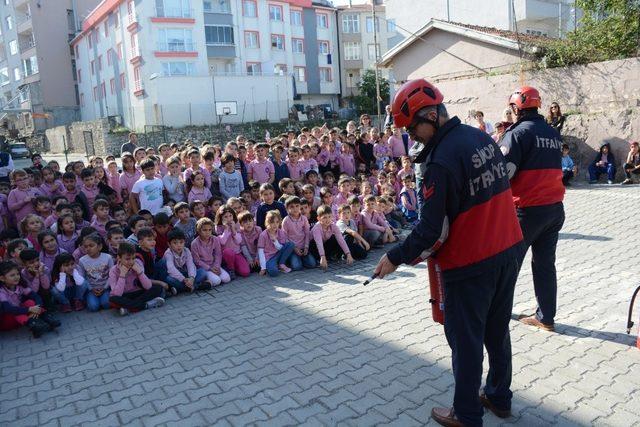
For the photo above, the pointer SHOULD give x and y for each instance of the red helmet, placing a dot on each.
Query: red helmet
(525, 97)
(412, 97)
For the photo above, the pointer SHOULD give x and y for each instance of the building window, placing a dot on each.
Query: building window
(103, 90)
(253, 68)
(323, 20)
(119, 50)
(323, 47)
(79, 75)
(178, 69)
(352, 51)
(16, 74)
(4, 76)
(106, 28)
(370, 24)
(93, 67)
(99, 62)
(90, 39)
(296, 18)
(112, 86)
(217, 6)
(391, 25)
(325, 74)
(122, 81)
(297, 45)
(277, 41)
(116, 20)
(218, 34)
(13, 47)
(275, 12)
(350, 23)
(175, 40)
(134, 46)
(77, 51)
(136, 79)
(30, 66)
(300, 74)
(280, 69)
(251, 39)
(174, 8)
(109, 55)
(82, 99)
(374, 51)
(95, 93)
(249, 8)
(9, 20)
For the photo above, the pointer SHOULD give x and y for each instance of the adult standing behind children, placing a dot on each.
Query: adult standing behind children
(131, 145)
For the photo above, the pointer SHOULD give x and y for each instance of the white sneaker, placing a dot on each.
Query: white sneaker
(123, 311)
(155, 303)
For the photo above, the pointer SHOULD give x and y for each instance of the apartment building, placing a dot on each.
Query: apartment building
(359, 49)
(180, 62)
(552, 18)
(37, 75)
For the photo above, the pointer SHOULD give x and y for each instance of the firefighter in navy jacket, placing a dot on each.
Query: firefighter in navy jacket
(533, 151)
(469, 225)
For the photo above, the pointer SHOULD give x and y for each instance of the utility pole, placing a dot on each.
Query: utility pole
(448, 12)
(560, 19)
(375, 48)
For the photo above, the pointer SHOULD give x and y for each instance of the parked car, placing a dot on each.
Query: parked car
(19, 150)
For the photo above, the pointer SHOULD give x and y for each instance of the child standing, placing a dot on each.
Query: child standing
(69, 286)
(231, 242)
(261, 169)
(129, 176)
(95, 267)
(185, 222)
(198, 190)
(100, 216)
(30, 227)
(207, 253)
(231, 184)
(50, 248)
(274, 251)
(296, 228)
(327, 239)
(182, 272)
(70, 183)
(349, 229)
(131, 289)
(409, 199)
(20, 198)
(50, 186)
(376, 230)
(67, 233)
(267, 194)
(146, 193)
(173, 181)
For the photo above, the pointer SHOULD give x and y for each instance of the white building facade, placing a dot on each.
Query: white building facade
(165, 62)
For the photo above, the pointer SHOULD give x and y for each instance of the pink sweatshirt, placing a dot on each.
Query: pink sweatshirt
(341, 199)
(321, 235)
(202, 194)
(114, 183)
(372, 221)
(71, 195)
(206, 255)
(297, 231)
(347, 164)
(17, 204)
(127, 180)
(265, 243)
(53, 189)
(295, 170)
(177, 262)
(38, 281)
(122, 285)
(229, 240)
(250, 241)
(207, 176)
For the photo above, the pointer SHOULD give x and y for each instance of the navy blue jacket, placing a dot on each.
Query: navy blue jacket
(533, 151)
(468, 220)
(261, 213)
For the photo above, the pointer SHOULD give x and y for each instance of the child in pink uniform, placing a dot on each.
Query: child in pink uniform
(274, 250)
(261, 169)
(296, 227)
(328, 241)
(207, 253)
(20, 198)
(129, 176)
(50, 186)
(231, 242)
(250, 233)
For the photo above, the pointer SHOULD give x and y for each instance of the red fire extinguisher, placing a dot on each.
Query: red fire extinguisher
(437, 290)
(629, 321)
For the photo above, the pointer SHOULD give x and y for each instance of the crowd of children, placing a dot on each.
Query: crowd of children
(186, 218)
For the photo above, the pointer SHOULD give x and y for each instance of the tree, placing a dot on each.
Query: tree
(607, 30)
(366, 101)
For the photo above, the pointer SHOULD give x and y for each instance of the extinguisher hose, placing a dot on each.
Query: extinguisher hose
(633, 300)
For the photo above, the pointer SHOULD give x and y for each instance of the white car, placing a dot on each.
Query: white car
(18, 150)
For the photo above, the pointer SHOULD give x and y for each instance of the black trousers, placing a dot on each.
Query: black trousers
(540, 227)
(566, 177)
(628, 167)
(137, 300)
(477, 311)
(357, 251)
(332, 249)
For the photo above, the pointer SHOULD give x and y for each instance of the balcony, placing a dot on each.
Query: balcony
(136, 57)
(216, 6)
(182, 49)
(24, 23)
(133, 20)
(138, 88)
(175, 15)
(26, 46)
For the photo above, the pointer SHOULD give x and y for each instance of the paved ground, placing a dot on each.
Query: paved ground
(319, 349)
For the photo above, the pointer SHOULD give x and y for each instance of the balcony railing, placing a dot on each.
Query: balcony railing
(21, 19)
(216, 6)
(176, 47)
(174, 12)
(26, 45)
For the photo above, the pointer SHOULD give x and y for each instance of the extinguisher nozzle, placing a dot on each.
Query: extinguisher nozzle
(366, 282)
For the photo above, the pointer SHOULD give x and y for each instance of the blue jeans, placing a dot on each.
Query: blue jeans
(306, 261)
(281, 257)
(201, 274)
(70, 293)
(95, 303)
(596, 171)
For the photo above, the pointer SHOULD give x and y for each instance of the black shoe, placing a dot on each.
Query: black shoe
(38, 327)
(204, 286)
(50, 320)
